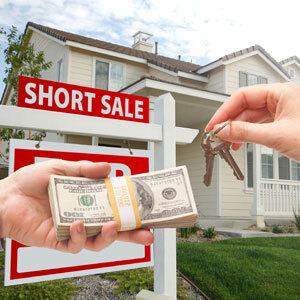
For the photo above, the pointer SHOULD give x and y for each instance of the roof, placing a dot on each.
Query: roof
(148, 76)
(158, 60)
(289, 59)
(246, 51)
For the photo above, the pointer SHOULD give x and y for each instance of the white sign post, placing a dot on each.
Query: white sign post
(164, 134)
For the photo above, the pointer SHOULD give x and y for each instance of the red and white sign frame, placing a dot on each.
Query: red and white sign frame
(25, 264)
(69, 98)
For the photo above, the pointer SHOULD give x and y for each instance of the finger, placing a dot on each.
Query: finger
(138, 236)
(254, 116)
(252, 97)
(107, 236)
(241, 132)
(77, 239)
(236, 146)
(84, 169)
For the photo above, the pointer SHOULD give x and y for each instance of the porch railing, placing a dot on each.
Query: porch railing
(280, 198)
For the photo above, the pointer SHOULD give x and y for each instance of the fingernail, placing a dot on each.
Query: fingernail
(114, 233)
(80, 228)
(227, 130)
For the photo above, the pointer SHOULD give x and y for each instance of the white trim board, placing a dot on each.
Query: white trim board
(50, 37)
(149, 83)
(106, 52)
(220, 62)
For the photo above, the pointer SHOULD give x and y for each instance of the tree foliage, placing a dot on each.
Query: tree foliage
(21, 60)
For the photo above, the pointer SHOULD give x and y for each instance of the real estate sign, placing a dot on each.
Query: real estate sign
(61, 97)
(25, 264)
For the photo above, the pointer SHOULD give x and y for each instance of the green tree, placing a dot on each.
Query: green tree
(21, 60)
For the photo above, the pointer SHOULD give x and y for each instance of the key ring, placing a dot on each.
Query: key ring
(222, 127)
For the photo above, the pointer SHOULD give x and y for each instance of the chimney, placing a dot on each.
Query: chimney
(156, 47)
(143, 41)
(179, 57)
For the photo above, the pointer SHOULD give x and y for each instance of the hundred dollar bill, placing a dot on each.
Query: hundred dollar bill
(164, 199)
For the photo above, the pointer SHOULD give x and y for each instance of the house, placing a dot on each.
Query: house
(198, 92)
(292, 66)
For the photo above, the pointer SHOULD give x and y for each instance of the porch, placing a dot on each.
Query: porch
(280, 197)
(273, 198)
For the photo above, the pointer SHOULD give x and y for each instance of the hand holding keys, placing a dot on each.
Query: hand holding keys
(212, 146)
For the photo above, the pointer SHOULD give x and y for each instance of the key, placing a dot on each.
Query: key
(226, 155)
(222, 148)
(212, 146)
(209, 157)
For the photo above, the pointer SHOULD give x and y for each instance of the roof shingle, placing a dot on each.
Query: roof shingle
(159, 60)
(291, 58)
(249, 50)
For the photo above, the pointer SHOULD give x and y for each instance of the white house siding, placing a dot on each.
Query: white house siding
(235, 202)
(192, 83)
(163, 75)
(253, 65)
(193, 157)
(81, 68)
(296, 78)
(134, 71)
(54, 52)
(216, 81)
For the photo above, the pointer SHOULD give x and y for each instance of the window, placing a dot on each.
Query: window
(109, 75)
(266, 162)
(295, 170)
(250, 79)
(59, 70)
(250, 165)
(288, 168)
(273, 165)
(284, 167)
(292, 72)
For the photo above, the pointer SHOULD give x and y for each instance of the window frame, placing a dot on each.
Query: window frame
(109, 62)
(292, 70)
(59, 70)
(259, 78)
(276, 154)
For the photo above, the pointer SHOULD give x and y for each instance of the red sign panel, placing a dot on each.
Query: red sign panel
(75, 99)
(31, 264)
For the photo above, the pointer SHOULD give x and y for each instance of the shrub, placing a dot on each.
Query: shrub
(58, 289)
(138, 279)
(210, 232)
(62, 289)
(133, 280)
(297, 219)
(185, 232)
(195, 228)
(277, 229)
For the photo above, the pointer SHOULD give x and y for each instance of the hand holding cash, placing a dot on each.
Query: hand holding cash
(25, 214)
(154, 200)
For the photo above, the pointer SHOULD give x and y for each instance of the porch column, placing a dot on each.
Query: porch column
(257, 210)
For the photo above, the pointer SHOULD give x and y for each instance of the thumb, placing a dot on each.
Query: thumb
(241, 132)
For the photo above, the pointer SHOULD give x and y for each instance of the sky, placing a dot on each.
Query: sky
(200, 31)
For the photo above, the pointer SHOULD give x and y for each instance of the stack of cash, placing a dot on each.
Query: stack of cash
(164, 200)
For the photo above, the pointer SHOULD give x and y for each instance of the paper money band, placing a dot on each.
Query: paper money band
(123, 203)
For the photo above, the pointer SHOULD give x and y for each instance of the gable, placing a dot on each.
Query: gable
(254, 65)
